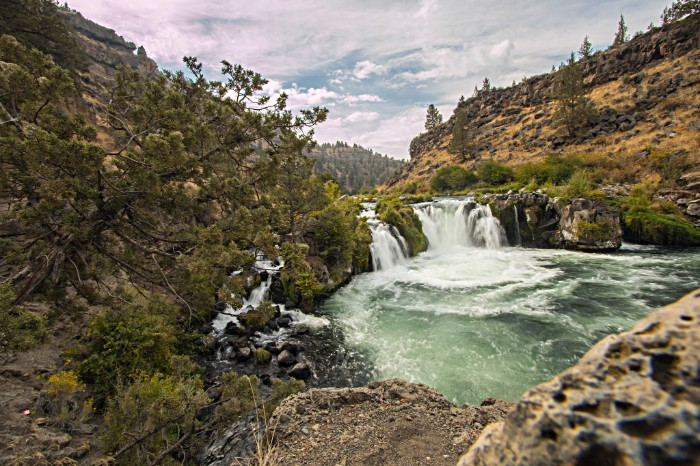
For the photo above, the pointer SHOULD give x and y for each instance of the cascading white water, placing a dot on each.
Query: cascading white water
(388, 247)
(460, 222)
(231, 315)
(518, 241)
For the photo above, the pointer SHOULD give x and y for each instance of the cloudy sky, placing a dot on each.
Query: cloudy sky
(375, 64)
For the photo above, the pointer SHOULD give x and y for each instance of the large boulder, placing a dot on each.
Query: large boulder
(589, 225)
(634, 398)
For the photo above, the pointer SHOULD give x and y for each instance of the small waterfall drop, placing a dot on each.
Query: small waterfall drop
(230, 314)
(518, 240)
(460, 222)
(388, 247)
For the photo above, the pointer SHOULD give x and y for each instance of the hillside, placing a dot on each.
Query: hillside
(646, 92)
(354, 167)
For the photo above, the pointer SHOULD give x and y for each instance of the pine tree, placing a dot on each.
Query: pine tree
(586, 49)
(486, 87)
(433, 118)
(679, 9)
(462, 142)
(621, 36)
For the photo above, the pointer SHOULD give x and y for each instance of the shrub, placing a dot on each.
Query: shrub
(452, 178)
(152, 414)
(259, 317)
(596, 232)
(262, 356)
(238, 396)
(127, 342)
(65, 400)
(20, 329)
(280, 391)
(390, 210)
(649, 227)
(494, 173)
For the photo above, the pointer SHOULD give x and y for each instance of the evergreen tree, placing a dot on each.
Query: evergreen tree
(574, 108)
(586, 49)
(433, 118)
(486, 87)
(621, 36)
(679, 9)
(461, 144)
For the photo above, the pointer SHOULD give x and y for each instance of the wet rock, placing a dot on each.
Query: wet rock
(302, 330)
(244, 353)
(300, 371)
(632, 399)
(292, 346)
(284, 321)
(286, 358)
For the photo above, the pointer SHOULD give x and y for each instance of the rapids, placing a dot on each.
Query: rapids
(474, 317)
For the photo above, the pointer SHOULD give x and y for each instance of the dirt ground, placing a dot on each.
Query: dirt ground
(391, 422)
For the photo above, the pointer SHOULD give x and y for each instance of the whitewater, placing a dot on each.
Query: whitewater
(475, 317)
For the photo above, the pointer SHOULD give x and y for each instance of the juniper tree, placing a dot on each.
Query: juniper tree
(586, 49)
(574, 108)
(433, 118)
(679, 9)
(461, 144)
(621, 36)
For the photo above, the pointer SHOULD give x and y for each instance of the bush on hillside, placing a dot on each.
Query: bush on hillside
(452, 178)
(494, 174)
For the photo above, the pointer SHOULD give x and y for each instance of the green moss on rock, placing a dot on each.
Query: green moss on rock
(392, 211)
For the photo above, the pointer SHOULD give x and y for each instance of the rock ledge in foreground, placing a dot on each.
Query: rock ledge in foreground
(634, 398)
(392, 422)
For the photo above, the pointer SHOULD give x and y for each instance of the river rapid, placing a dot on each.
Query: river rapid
(474, 317)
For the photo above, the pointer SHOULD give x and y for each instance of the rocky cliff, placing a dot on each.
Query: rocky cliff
(647, 92)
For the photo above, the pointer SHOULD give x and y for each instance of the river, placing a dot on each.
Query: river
(474, 317)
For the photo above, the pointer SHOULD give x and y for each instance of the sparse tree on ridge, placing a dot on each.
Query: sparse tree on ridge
(679, 10)
(622, 35)
(462, 142)
(586, 49)
(486, 87)
(433, 117)
(574, 108)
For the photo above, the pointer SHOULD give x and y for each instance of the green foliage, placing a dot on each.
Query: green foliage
(433, 118)
(262, 356)
(595, 232)
(679, 9)
(157, 411)
(451, 179)
(586, 49)
(239, 395)
(280, 391)
(260, 316)
(575, 110)
(297, 278)
(554, 170)
(37, 23)
(649, 222)
(20, 329)
(461, 144)
(392, 211)
(128, 341)
(621, 36)
(354, 167)
(494, 174)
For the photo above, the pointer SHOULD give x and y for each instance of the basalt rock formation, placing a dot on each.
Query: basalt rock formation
(532, 219)
(634, 398)
(647, 92)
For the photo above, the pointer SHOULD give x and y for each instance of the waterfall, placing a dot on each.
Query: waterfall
(460, 222)
(388, 247)
(518, 240)
(230, 314)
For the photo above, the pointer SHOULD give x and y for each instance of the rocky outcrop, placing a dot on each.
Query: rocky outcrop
(535, 220)
(391, 422)
(635, 93)
(107, 51)
(634, 398)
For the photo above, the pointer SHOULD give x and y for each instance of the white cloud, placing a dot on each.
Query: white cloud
(361, 117)
(364, 69)
(353, 99)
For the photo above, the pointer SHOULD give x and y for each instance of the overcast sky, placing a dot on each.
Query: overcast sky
(375, 64)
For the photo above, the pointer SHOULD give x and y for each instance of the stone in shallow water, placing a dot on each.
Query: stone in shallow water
(286, 358)
(300, 371)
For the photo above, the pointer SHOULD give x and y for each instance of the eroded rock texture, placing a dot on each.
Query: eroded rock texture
(634, 398)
